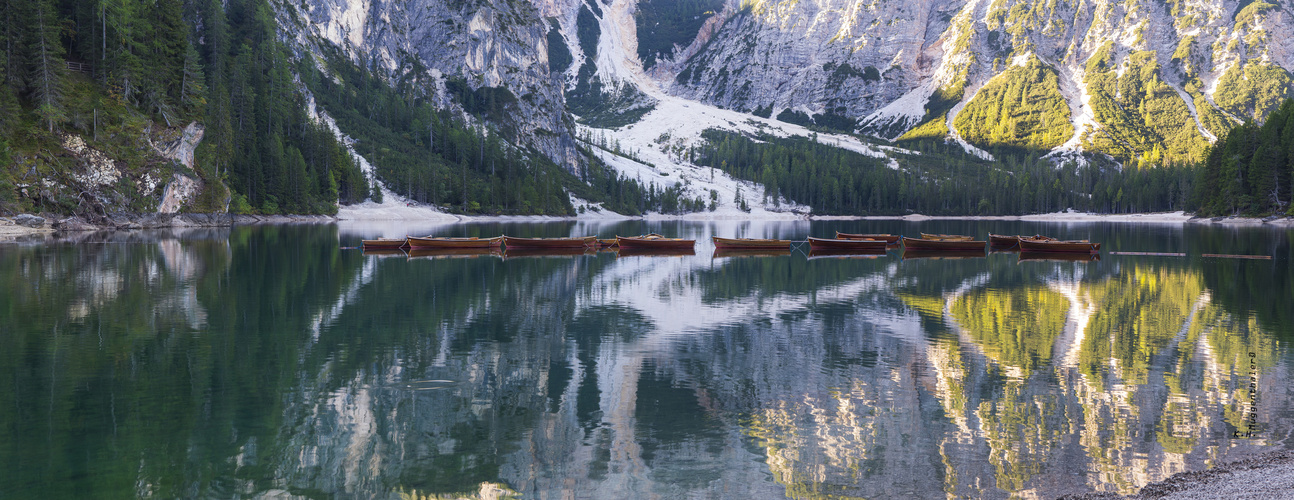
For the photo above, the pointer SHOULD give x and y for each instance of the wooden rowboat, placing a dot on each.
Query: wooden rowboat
(576, 242)
(888, 238)
(389, 243)
(607, 242)
(999, 240)
(749, 243)
(653, 241)
(433, 242)
(1059, 246)
(952, 237)
(839, 244)
(942, 244)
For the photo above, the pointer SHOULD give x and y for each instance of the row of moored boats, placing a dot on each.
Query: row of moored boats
(842, 242)
(650, 241)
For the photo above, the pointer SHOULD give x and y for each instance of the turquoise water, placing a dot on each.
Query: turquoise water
(272, 360)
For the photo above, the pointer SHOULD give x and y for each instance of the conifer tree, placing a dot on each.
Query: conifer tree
(46, 65)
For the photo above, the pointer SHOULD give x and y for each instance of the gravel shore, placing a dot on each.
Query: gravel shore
(1264, 477)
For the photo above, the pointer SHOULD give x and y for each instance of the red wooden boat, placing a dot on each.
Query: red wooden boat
(1059, 246)
(953, 237)
(999, 240)
(749, 243)
(942, 244)
(434, 242)
(839, 244)
(576, 242)
(653, 241)
(388, 243)
(888, 238)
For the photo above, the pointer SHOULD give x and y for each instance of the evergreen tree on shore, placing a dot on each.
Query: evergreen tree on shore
(1248, 172)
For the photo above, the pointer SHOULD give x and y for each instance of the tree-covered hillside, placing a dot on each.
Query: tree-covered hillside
(1248, 172)
(940, 181)
(115, 72)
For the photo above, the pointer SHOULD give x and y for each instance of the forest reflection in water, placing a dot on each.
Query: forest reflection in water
(268, 360)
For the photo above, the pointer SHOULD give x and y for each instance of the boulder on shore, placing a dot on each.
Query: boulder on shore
(29, 220)
(74, 224)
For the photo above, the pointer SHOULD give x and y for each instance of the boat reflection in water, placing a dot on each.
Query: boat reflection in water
(383, 252)
(909, 254)
(820, 253)
(720, 253)
(520, 252)
(654, 252)
(1059, 257)
(453, 253)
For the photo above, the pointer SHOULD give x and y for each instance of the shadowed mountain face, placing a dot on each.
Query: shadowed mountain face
(267, 360)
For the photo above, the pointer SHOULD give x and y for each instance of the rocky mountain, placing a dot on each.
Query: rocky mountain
(1140, 81)
(428, 44)
(1148, 81)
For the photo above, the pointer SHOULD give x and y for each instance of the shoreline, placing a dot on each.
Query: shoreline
(1266, 476)
(10, 230)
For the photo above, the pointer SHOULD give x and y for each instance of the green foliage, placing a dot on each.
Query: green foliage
(935, 128)
(941, 180)
(138, 65)
(663, 24)
(1249, 170)
(559, 55)
(934, 123)
(789, 115)
(1253, 91)
(1248, 14)
(1144, 121)
(490, 103)
(1016, 327)
(1021, 108)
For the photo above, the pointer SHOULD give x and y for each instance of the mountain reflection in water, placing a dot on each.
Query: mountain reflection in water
(267, 360)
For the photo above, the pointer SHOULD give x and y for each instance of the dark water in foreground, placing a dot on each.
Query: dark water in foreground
(268, 361)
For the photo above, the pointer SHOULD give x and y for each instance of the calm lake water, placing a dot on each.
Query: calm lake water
(270, 361)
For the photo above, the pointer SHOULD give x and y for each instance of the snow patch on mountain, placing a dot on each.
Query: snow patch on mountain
(393, 206)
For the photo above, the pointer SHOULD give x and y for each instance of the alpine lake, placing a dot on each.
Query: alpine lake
(273, 361)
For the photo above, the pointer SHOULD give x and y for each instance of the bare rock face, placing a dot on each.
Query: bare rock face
(179, 191)
(485, 43)
(873, 66)
(182, 147)
(843, 57)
